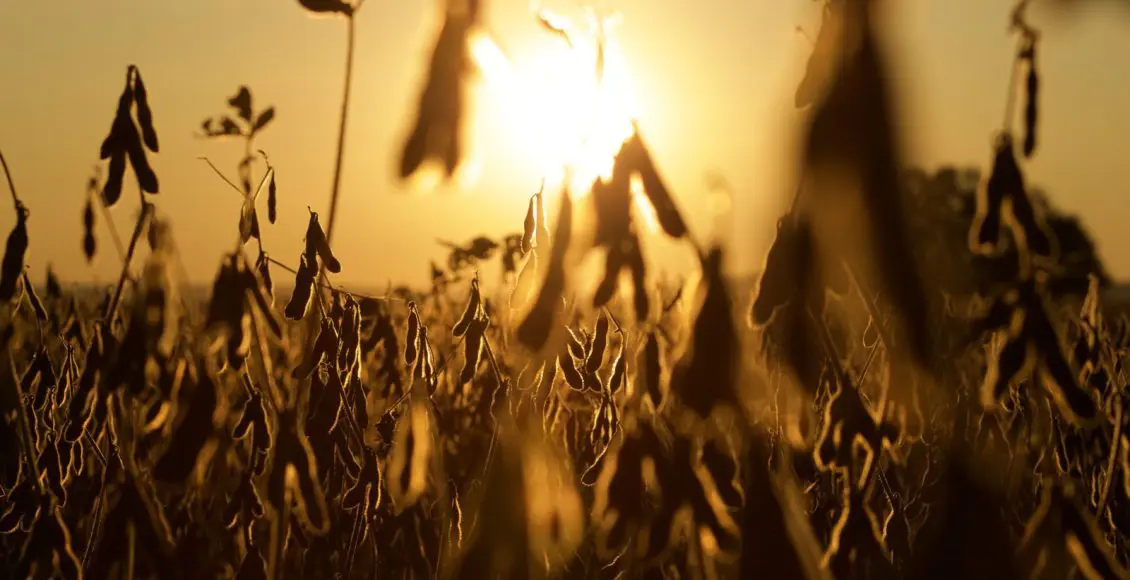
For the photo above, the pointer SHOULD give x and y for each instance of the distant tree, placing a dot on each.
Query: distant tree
(941, 210)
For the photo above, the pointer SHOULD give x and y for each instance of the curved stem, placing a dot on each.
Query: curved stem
(334, 192)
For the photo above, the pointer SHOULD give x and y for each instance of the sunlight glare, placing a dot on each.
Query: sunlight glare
(566, 121)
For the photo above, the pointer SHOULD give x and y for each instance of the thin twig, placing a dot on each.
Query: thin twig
(109, 218)
(24, 420)
(288, 268)
(94, 446)
(11, 184)
(335, 190)
(146, 209)
(222, 176)
(493, 363)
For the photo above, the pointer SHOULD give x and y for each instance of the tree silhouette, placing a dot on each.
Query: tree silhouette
(943, 204)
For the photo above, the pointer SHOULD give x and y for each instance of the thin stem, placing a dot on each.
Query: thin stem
(97, 450)
(334, 192)
(109, 218)
(331, 288)
(222, 176)
(1010, 101)
(278, 539)
(99, 510)
(24, 420)
(493, 362)
(11, 184)
(98, 504)
(146, 209)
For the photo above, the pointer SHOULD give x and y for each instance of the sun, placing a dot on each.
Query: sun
(571, 104)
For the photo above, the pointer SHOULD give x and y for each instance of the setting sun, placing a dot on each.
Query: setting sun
(568, 113)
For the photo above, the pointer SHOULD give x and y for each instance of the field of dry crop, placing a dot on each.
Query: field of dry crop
(923, 382)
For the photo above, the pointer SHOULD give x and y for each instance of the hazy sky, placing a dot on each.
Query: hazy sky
(713, 80)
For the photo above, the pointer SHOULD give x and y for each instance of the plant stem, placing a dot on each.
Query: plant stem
(325, 285)
(222, 176)
(24, 421)
(141, 219)
(278, 539)
(106, 215)
(335, 190)
(11, 185)
(1112, 458)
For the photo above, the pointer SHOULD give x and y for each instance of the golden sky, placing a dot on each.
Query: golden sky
(713, 82)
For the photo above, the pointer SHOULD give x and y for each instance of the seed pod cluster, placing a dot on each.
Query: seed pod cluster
(615, 231)
(534, 330)
(707, 376)
(147, 326)
(365, 492)
(317, 247)
(245, 503)
(324, 349)
(12, 269)
(135, 508)
(349, 354)
(1005, 191)
(87, 402)
(1029, 340)
(852, 130)
(193, 429)
(569, 370)
(254, 420)
(294, 455)
(1062, 525)
(679, 481)
(234, 292)
(409, 460)
(605, 422)
(437, 129)
(123, 140)
(848, 419)
(639, 159)
(856, 535)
